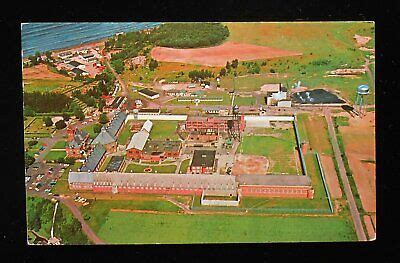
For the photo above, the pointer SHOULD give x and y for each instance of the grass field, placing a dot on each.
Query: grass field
(163, 130)
(61, 186)
(244, 101)
(125, 134)
(175, 228)
(89, 129)
(97, 211)
(60, 145)
(136, 168)
(36, 126)
(325, 46)
(55, 155)
(313, 128)
(279, 148)
(46, 85)
(184, 166)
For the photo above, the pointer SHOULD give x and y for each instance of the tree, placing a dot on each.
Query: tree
(222, 72)
(48, 54)
(235, 63)
(153, 64)
(47, 121)
(97, 128)
(69, 160)
(101, 104)
(60, 124)
(272, 70)
(79, 114)
(103, 118)
(32, 143)
(65, 116)
(28, 111)
(29, 160)
(228, 65)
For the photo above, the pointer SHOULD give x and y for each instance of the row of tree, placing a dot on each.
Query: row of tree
(67, 227)
(45, 102)
(199, 75)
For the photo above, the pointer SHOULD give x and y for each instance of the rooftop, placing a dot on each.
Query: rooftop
(138, 140)
(148, 92)
(104, 137)
(115, 163)
(94, 158)
(74, 63)
(117, 121)
(280, 180)
(162, 146)
(203, 158)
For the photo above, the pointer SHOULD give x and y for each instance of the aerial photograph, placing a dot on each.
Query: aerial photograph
(199, 132)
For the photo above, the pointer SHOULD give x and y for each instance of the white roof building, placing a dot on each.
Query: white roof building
(139, 139)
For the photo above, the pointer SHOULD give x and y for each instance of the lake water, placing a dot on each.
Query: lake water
(49, 36)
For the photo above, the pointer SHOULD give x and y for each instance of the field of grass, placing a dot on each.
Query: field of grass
(60, 145)
(55, 155)
(184, 166)
(244, 101)
(89, 129)
(136, 168)
(325, 46)
(313, 128)
(125, 134)
(61, 186)
(36, 127)
(163, 130)
(46, 85)
(96, 213)
(279, 149)
(175, 228)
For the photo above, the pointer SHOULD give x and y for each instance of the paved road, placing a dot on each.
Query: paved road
(342, 172)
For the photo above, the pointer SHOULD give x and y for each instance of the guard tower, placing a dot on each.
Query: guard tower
(234, 124)
(362, 90)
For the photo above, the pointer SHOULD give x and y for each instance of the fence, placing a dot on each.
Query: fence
(303, 163)
(324, 181)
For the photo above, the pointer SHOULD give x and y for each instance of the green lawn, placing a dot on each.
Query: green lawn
(89, 129)
(184, 166)
(244, 101)
(97, 211)
(125, 134)
(280, 150)
(46, 85)
(55, 155)
(174, 228)
(60, 145)
(61, 186)
(136, 168)
(104, 166)
(37, 127)
(163, 130)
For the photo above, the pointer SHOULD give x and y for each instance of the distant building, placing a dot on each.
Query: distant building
(137, 61)
(203, 162)
(78, 72)
(149, 111)
(213, 124)
(138, 141)
(222, 111)
(149, 93)
(65, 55)
(200, 139)
(157, 151)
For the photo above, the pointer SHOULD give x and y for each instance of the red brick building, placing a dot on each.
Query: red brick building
(203, 162)
(213, 124)
(78, 143)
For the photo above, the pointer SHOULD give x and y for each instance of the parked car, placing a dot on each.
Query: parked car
(39, 177)
(27, 178)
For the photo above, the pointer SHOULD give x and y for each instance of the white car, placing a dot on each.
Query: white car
(27, 178)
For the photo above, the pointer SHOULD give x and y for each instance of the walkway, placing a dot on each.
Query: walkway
(342, 172)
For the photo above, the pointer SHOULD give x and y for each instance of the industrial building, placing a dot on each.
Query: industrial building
(203, 162)
(213, 124)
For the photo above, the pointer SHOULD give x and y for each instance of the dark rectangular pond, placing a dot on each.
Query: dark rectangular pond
(317, 96)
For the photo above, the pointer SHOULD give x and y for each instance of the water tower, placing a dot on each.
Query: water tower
(362, 90)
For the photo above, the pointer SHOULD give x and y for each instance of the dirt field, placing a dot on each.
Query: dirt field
(359, 141)
(331, 176)
(41, 72)
(250, 164)
(219, 55)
